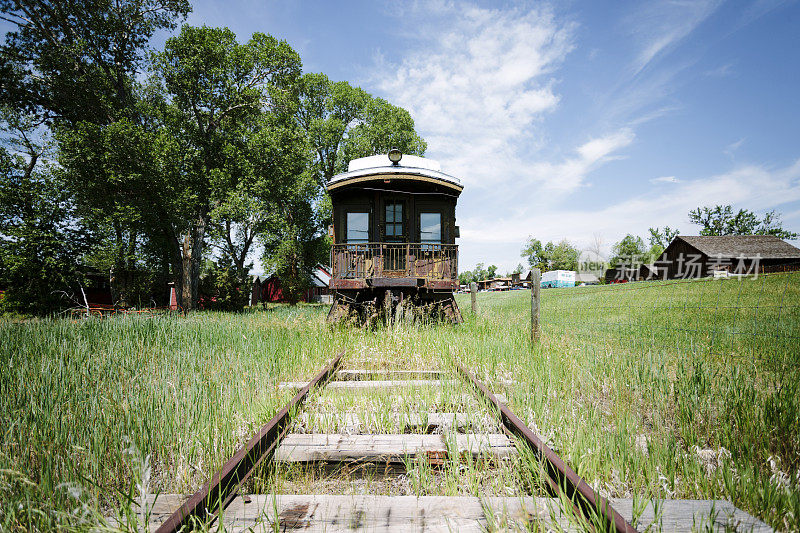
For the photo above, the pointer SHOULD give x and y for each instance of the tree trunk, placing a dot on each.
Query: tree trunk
(191, 257)
(117, 277)
(122, 274)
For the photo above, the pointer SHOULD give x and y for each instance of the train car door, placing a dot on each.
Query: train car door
(394, 232)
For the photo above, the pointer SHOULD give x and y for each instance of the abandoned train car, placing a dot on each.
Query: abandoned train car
(394, 231)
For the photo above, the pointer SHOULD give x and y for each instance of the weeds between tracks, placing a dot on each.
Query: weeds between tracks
(86, 407)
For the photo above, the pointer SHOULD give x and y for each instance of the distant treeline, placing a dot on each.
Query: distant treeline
(170, 164)
(712, 220)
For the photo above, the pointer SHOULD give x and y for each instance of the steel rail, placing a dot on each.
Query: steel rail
(562, 479)
(205, 504)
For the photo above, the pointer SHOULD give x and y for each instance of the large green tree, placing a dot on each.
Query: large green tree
(113, 178)
(73, 66)
(722, 220)
(630, 250)
(345, 122)
(72, 61)
(326, 112)
(533, 251)
(550, 256)
(214, 89)
(563, 256)
(224, 143)
(290, 198)
(660, 239)
(383, 126)
(38, 231)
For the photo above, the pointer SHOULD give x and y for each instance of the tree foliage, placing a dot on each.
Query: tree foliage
(662, 238)
(659, 240)
(213, 89)
(344, 123)
(72, 68)
(71, 61)
(630, 249)
(207, 142)
(721, 220)
(550, 256)
(40, 237)
(381, 128)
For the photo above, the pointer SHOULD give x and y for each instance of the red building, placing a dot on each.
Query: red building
(268, 289)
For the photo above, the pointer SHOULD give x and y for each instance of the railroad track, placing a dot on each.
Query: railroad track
(564, 500)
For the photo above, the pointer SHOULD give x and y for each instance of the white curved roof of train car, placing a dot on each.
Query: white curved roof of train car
(380, 165)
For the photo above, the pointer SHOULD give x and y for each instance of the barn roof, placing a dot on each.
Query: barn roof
(764, 246)
(320, 276)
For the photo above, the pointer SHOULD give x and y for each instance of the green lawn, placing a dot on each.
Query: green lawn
(661, 390)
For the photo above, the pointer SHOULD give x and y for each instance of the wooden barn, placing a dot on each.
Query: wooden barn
(698, 256)
(706, 255)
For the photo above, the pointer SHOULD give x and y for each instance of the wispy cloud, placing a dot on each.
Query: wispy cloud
(477, 89)
(730, 150)
(653, 33)
(568, 175)
(723, 71)
(481, 84)
(659, 26)
(665, 179)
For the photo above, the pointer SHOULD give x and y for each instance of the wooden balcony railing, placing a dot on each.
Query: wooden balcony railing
(395, 260)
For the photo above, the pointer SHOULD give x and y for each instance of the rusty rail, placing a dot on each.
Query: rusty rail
(205, 504)
(562, 479)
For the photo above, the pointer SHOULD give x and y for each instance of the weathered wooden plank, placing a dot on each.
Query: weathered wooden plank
(692, 515)
(332, 447)
(331, 513)
(360, 374)
(374, 384)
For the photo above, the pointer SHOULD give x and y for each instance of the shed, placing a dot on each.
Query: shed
(623, 274)
(268, 289)
(698, 256)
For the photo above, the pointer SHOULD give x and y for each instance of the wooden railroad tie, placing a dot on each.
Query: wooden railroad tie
(339, 514)
(438, 438)
(390, 448)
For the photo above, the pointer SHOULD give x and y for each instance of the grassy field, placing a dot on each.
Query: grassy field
(658, 390)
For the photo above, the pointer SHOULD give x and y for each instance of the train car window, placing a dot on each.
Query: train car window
(357, 227)
(430, 228)
(394, 221)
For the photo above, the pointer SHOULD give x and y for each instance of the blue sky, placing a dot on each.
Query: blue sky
(577, 120)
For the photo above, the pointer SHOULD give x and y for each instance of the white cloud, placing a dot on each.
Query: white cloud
(570, 174)
(665, 179)
(751, 187)
(660, 26)
(654, 30)
(721, 71)
(731, 148)
(479, 84)
(478, 87)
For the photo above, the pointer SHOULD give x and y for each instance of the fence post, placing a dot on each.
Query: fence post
(536, 281)
(473, 290)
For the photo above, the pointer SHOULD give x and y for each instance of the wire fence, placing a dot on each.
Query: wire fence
(755, 317)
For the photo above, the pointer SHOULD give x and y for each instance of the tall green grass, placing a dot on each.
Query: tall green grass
(660, 389)
(88, 409)
(653, 390)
